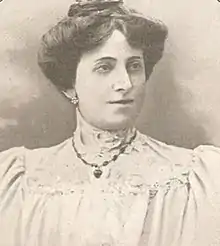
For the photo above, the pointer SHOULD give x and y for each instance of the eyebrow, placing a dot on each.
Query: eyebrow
(114, 59)
(134, 58)
(105, 58)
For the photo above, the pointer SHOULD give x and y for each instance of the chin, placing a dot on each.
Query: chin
(118, 123)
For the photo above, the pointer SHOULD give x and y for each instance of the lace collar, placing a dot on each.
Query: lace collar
(99, 141)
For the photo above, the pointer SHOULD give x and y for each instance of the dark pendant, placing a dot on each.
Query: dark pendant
(97, 173)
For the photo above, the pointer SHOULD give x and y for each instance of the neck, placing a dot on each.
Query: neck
(98, 140)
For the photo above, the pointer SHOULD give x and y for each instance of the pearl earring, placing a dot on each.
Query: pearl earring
(74, 100)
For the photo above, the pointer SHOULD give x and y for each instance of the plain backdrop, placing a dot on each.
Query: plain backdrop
(183, 94)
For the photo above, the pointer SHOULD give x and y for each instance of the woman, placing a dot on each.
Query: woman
(108, 184)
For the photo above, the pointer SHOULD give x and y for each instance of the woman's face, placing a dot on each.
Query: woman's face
(110, 84)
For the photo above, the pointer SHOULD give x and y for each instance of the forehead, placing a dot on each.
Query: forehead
(116, 46)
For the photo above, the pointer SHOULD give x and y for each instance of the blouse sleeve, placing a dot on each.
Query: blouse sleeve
(12, 169)
(205, 186)
(187, 211)
(206, 169)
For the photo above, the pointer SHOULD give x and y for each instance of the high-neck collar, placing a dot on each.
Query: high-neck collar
(91, 139)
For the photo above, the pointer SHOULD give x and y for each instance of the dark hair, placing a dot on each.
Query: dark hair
(90, 24)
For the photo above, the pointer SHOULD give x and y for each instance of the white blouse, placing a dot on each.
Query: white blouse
(152, 195)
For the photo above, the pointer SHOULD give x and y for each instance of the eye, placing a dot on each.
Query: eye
(103, 68)
(135, 66)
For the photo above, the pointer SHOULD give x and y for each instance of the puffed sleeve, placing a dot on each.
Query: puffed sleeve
(186, 212)
(205, 183)
(206, 165)
(12, 169)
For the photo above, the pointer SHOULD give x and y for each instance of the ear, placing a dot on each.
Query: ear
(69, 93)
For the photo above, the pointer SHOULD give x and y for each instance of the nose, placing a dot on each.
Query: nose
(122, 82)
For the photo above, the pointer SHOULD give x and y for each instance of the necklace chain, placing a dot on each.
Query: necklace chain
(98, 172)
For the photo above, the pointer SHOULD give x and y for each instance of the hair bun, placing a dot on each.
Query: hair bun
(86, 7)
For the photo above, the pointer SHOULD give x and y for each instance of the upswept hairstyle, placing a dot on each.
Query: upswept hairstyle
(88, 25)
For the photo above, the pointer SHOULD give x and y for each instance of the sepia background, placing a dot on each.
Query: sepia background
(183, 95)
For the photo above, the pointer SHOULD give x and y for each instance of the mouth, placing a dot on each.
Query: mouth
(123, 101)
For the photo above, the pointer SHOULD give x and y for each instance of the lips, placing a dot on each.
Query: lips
(122, 101)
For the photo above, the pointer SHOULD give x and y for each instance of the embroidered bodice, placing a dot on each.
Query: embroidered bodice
(153, 195)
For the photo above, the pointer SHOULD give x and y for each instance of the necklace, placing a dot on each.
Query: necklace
(98, 168)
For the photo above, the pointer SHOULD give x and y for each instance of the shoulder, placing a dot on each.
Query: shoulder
(12, 152)
(199, 166)
(20, 160)
(35, 156)
(46, 159)
(163, 165)
(12, 169)
(207, 152)
(164, 152)
(207, 156)
(47, 167)
(11, 160)
(23, 154)
(206, 166)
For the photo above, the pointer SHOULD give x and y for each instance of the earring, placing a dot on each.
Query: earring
(74, 100)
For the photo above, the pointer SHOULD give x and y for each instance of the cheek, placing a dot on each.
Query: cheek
(91, 92)
(139, 92)
(139, 82)
(138, 77)
(85, 86)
